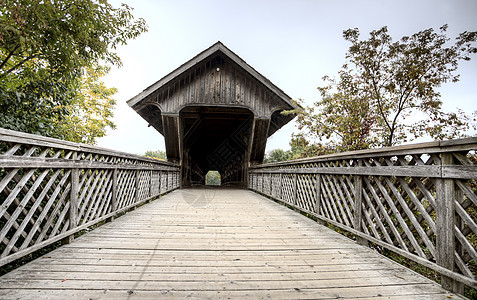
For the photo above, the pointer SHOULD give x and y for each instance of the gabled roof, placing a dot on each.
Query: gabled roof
(214, 49)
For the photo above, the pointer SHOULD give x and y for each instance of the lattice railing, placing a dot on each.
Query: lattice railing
(51, 189)
(419, 201)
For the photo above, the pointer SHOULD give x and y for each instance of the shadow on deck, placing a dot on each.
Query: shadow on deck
(215, 243)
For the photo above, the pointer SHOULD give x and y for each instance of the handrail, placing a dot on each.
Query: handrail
(51, 189)
(419, 201)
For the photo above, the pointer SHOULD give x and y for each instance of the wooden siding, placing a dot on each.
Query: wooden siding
(217, 82)
(216, 78)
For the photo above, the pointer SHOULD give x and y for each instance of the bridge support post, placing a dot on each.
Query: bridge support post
(358, 211)
(172, 130)
(445, 224)
(358, 205)
(295, 189)
(259, 139)
(73, 210)
(318, 196)
(136, 186)
(271, 184)
(114, 195)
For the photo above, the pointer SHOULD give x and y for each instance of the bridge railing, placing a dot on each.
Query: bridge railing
(419, 201)
(50, 189)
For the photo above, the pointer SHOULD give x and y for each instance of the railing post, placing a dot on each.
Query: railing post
(445, 223)
(150, 183)
(136, 194)
(281, 186)
(271, 184)
(295, 188)
(317, 193)
(358, 205)
(114, 194)
(73, 210)
(160, 182)
(318, 197)
(263, 181)
(167, 181)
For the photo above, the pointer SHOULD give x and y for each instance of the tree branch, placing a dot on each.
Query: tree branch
(8, 56)
(17, 65)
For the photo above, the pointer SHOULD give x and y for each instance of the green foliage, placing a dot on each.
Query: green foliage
(387, 92)
(46, 48)
(301, 147)
(90, 111)
(277, 155)
(159, 154)
(64, 35)
(212, 178)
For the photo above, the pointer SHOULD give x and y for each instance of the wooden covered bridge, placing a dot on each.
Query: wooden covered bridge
(215, 113)
(163, 235)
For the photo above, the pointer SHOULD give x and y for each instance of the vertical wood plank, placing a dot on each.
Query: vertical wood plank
(136, 195)
(281, 186)
(271, 184)
(114, 194)
(445, 222)
(73, 210)
(295, 188)
(167, 180)
(74, 197)
(318, 193)
(150, 183)
(263, 181)
(358, 205)
(160, 182)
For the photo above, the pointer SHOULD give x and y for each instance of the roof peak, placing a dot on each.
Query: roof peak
(218, 46)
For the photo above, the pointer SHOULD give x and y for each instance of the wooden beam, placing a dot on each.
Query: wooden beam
(445, 223)
(170, 124)
(259, 141)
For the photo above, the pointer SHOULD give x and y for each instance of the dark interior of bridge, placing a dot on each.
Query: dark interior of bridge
(215, 138)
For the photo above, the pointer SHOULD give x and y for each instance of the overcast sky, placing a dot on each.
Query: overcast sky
(293, 43)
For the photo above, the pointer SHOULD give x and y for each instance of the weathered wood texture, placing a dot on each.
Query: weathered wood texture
(201, 108)
(51, 189)
(419, 201)
(219, 244)
(215, 77)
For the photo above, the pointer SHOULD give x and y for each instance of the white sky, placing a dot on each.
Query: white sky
(293, 43)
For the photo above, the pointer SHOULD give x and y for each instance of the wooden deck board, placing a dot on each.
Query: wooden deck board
(215, 243)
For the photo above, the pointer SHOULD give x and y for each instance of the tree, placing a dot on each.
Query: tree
(301, 147)
(387, 92)
(345, 118)
(45, 50)
(212, 178)
(90, 111)
(277, 155)
(159, 154)
(63, 35)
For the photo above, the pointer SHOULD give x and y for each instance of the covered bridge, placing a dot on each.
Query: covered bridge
(215, 113)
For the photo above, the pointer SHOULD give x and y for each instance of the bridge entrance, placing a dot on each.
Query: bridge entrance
(215, 113)
(215, 138)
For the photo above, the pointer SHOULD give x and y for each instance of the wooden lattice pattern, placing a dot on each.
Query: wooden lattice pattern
(50, 189)
(419, 201)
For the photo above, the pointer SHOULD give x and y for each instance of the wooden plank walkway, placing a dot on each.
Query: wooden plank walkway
(215, 243)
